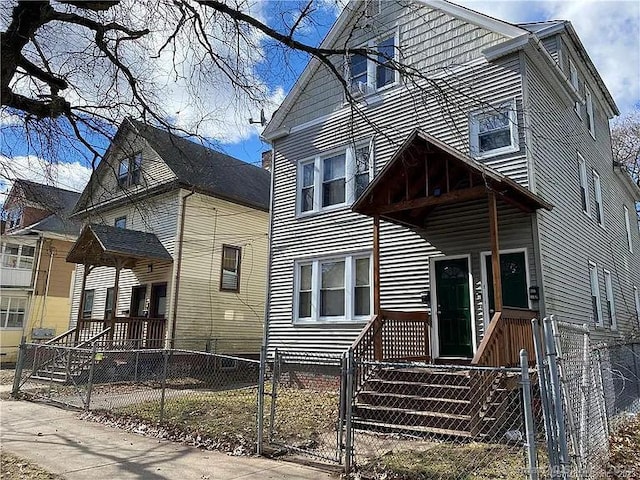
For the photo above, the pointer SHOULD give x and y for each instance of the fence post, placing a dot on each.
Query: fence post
(348, 460)
(554, 380)
(91, 371)
(19, 366)
(528, 416)
(600, 386)
(165, 354)
(543, 380)
(135, 372)
(275, 373)
(261, 379)
(343, 402)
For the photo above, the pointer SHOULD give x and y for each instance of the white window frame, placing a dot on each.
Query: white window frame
(4, 319)
(575, 82)
(627, 224)
(370, 86)
(584, 184)
(597, 190)
(19, 257)
(636, 294)
(590, 120)
(608, 285)
(133, 175)
(594, 284)
(349, 287)
(318, 177)
(474, 130)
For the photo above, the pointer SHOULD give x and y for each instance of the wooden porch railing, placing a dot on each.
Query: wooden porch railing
(393, 336)
(509, 331)
(126, 332)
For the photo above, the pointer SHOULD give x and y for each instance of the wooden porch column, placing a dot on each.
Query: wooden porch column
(114, 311)
(377, 329)
(79, 322)
(495, 252)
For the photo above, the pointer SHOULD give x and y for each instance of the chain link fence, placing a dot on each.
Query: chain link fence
(600, 388)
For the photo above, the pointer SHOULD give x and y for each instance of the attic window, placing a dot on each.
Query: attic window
(14, 218)
(129, 171)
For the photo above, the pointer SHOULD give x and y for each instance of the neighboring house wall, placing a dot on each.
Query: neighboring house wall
(158, 215)
(228, 321)
(569, 238)
(404, 255)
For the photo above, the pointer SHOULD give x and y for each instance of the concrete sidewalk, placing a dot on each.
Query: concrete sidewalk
(60, 442)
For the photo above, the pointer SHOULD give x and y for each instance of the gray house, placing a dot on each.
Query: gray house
(433, 211)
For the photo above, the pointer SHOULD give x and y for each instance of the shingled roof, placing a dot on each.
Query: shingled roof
(101, 245)
(209, 171)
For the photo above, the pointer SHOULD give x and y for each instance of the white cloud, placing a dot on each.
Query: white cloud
(609, 30)
(70, 176)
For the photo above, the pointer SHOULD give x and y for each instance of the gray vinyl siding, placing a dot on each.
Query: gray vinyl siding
(430, 41)
(158, 215)
(569, 239)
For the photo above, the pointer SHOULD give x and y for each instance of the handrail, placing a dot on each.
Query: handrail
(61, 336)
(94, 338)
(488, 340)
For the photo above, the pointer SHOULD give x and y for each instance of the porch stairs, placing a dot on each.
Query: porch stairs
(422, 401)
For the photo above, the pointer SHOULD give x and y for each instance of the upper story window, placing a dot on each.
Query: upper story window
(367, 74)
(597, 190)
(636, 295)
(584, 189)
(573, 74)
(230, 274)
(627, 225)
(129, 171)
(17, 256)
(333, 180)
(595, 294)
(14, 218)
(334, 289)
(12, 311)
(590, 120)
(611, 306)
(494, 130)
(120, 222)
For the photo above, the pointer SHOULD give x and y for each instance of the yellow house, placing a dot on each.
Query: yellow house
(35, 279)
(174, 246)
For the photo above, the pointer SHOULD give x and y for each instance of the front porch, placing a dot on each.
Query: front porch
(474, 319)
(144, 323)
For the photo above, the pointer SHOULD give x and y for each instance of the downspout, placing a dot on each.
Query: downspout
(34, 285)
(52, 252)
(267, 302)
(183, 214)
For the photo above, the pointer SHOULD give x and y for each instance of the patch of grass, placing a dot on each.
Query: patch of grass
(301, 415)
(624, 457)
(16, 468)
(472, 461)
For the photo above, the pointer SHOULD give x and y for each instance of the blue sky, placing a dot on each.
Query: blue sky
(610, 31)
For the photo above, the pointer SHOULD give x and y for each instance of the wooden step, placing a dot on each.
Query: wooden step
(415, 402)
(49, 379)
(425, 375)
(400, 416)
(409, 430)
(428, 390)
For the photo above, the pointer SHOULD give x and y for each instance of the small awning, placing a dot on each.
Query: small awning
(107, 246)
(426, 173)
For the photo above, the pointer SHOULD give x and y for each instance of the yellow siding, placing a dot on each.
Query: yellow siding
(56, 315)
(230, 322)
(9, 341)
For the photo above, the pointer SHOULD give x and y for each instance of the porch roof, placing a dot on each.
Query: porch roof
(108, 246)
(426, 173)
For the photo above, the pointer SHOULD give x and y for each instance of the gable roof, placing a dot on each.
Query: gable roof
(207, 170)
(348, 12)
(103, 244)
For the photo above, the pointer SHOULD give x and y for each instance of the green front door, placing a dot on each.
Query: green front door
(513, 272)
(453, 307)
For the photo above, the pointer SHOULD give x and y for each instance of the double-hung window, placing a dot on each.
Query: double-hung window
(18, 256)
(636, 294)
(596, 307)
(12, 311)
(597, 191)
(627, 225)
(330, 181)
(590, 120)
(573, 74)
(494, 130)
(333, 289)
(230, 275)
(611, 306)
(129, 171)
(584, 189)
(87, 303)
(375, 71)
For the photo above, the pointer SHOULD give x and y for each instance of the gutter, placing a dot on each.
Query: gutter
(178, 267)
